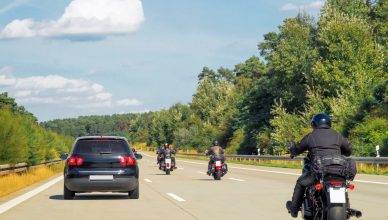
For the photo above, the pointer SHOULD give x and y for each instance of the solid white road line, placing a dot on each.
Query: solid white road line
(241, 168)
(236, 179)
(177, 198)
(16, 201)
(365, 181)
(266, 171)
(285, 173)
(148, 181)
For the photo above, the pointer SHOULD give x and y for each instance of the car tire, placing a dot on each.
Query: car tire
(68, 194)
(134, 194)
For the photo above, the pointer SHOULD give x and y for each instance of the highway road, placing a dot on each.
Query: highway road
(246, 192)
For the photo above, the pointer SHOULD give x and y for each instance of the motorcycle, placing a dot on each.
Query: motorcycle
(218, 169)
(167, 164)
(328, 199)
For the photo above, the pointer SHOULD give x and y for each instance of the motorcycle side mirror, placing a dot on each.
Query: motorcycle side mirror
(138, 156)
(63, 156)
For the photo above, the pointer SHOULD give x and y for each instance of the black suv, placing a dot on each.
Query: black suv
(103, 164)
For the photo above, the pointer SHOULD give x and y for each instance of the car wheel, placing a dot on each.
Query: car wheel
(134, 194)
(67, 194)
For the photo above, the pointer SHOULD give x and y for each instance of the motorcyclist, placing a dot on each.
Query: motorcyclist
(321, 141)
(215, 152)
(168, 152)
(159, 153)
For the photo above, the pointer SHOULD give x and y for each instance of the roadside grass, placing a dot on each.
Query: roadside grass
(361, 168)
(15, 181)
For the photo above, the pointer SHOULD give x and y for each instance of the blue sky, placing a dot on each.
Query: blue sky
(67, 58)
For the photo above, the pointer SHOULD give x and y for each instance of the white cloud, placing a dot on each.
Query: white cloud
(58, 90)
(289, 7)
(83, 18)
(315, 5)
(129, 102)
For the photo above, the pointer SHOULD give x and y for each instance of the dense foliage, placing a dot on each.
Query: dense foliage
(23, 139)
(336, 65)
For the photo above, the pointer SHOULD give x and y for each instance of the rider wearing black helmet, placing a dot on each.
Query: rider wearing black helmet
(215, 151)
(321, 141)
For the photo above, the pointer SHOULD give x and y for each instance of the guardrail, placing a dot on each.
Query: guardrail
(365, 160)
(20, 167)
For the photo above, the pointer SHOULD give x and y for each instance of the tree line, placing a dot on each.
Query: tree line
(22, 139)
(335, 64)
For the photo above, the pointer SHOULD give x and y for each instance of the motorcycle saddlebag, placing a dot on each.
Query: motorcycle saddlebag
(335, 164)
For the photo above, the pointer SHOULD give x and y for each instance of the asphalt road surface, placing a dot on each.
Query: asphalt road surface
(246, 192)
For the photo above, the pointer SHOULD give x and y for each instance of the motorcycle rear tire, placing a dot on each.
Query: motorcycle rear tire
(217, 175)
(336, 212)
(167, 172)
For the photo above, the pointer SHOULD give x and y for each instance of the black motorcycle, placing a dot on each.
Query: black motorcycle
(218, 169)
(328, 199)
(167, 161)
(167, 164)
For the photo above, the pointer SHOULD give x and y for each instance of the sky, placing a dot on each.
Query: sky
(67, 58)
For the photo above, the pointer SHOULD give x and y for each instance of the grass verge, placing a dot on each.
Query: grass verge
(15, 181)
(361, 168)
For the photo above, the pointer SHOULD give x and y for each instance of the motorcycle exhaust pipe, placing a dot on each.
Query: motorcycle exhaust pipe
(354, 212)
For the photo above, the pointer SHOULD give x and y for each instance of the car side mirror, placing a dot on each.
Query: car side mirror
(138, 156)
(64, 156)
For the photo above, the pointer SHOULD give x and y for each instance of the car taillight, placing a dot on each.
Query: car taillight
(351, 186)
(318, 187)
(126, 160)
(75, 161)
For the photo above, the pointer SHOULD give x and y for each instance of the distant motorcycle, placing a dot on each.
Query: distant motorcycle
(167, 163)
(218, 169)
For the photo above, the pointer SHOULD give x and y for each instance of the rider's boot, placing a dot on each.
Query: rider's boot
(293, 212)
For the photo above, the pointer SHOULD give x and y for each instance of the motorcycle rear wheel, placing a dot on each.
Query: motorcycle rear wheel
(217, 175)
(336, 212)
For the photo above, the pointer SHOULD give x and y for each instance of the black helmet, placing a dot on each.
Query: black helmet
(321, 119)
(215, 143)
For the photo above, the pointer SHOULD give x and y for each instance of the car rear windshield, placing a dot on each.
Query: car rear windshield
(99, 146)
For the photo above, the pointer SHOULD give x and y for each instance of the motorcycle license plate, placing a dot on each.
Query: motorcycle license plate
(218, 163)
(337, 195)
(168, 163)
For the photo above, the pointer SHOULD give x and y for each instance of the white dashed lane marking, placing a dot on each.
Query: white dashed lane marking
(240, 180)
(177, 198)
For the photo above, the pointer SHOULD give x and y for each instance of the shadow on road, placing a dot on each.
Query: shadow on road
(92, 197)
(204, 179)
(56, 197)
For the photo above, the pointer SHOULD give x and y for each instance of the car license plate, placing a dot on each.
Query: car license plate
(218, 163)
(100, 177)
(337, 195)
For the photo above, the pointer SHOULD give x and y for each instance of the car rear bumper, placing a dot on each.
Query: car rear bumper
(80, 181)
(83, 184)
